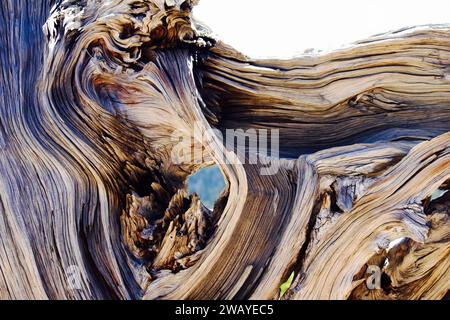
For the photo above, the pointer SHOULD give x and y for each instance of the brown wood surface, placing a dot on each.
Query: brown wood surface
(92, 93)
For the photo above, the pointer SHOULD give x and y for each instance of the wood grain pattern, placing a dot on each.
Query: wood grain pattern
(92, 94)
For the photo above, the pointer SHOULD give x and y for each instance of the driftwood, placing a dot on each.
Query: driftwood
(94, 205)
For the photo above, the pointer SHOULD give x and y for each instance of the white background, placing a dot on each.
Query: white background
(284, 28)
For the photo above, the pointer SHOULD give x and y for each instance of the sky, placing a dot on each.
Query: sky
(285, 28)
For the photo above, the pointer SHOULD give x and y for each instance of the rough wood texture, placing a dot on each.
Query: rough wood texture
(88, 110)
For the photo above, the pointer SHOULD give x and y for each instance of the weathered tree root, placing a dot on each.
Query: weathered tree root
(89, 180)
